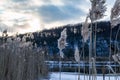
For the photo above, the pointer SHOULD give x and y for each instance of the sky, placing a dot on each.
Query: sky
(22, 16)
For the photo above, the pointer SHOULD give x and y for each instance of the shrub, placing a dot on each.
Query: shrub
(20, 60)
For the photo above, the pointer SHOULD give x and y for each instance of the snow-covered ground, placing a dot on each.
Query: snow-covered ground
(74, 76)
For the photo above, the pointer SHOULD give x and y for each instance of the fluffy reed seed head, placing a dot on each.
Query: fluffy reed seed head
(62, 42)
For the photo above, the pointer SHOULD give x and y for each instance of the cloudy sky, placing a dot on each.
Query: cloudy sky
(33, 15)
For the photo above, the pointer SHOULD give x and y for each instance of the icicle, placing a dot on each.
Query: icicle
(115, 14)
(76, 55)
(62, 42)
(85, 30)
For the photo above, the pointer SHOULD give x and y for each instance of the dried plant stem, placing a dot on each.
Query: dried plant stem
(116, 40)
(110, 49)
(60, 66)
(79, 70)
(95, 37)
(83, 50)
(116, 45)
(25, 64)
(90, 51)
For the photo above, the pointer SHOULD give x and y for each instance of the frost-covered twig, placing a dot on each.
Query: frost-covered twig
(111, 69)
(77, 58)
(61, 45)
(116, 58)
(62, 42)
(76, 55)
(115, 20)
(115, 14)
(94, 68)
(97, 10)
(85, 30)
(18, 60)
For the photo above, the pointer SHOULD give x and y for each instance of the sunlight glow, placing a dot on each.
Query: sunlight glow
(35, 24)
(25, 16)
(26, 22)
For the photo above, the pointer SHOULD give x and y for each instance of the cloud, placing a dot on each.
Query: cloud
(19, 0)
(73, 2)
(51, 13)
(28, 15)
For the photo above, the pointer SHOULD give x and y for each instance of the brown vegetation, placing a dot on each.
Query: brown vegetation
(21, 61)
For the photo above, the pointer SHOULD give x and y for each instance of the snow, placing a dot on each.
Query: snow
(74, 76)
